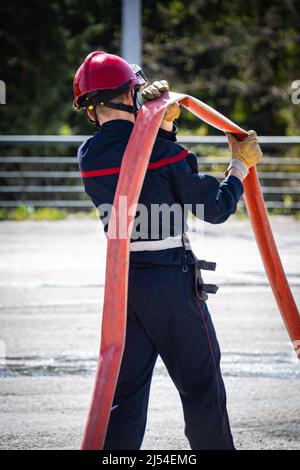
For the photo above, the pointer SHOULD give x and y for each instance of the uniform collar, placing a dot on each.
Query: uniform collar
(116, 124)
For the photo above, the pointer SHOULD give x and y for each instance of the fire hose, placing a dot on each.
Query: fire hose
(131, 178)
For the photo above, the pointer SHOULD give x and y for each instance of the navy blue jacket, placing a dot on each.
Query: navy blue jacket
(172, 177)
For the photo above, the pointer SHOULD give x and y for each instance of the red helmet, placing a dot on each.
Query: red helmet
(102, 71)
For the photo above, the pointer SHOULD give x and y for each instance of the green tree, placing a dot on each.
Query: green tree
(239, 57)
(43, 43)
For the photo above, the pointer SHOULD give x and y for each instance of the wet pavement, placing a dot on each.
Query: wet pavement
(51, 294)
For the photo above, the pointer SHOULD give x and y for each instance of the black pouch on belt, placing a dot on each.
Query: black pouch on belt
(203, 289)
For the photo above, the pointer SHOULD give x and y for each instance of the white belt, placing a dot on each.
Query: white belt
(153, 245)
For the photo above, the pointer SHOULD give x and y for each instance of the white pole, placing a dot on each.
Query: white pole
(131, 31)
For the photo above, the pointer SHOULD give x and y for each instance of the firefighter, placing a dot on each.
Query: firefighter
(167, 309)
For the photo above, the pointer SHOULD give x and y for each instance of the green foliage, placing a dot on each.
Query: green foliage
(20, 213)
(47, 213)
(23, 212)
(42, 44)
(3, 214)
(240, 58)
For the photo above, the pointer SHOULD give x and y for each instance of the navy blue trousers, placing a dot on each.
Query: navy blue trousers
(166, 318)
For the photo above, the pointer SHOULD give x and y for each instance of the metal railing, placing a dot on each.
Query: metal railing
(51, 180)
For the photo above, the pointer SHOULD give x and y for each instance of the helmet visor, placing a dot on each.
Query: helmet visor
(139, 74)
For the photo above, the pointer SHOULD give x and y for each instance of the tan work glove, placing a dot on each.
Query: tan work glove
(154, 91)
(247, 151)
(172, 112)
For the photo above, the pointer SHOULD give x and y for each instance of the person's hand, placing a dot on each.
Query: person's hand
(154, 90)
(247, 151)
(172, 112)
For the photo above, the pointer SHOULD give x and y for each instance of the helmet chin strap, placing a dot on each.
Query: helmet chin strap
(119, 106)
(132, 109)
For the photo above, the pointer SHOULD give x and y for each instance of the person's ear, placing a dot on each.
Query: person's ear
(90, 115)
(129, 97)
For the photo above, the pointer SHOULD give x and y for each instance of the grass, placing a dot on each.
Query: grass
(23, 212)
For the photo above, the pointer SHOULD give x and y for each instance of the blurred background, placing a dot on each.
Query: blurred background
(241, 58)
